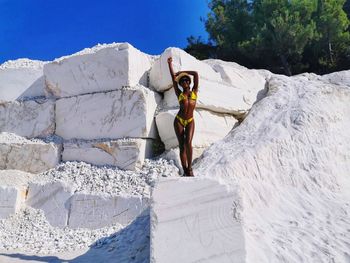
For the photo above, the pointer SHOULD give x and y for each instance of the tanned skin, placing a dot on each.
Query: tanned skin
(187, 106)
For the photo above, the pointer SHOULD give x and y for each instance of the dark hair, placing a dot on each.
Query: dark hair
(183, 78)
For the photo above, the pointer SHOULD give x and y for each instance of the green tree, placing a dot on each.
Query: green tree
(332, 45)
(283, 29)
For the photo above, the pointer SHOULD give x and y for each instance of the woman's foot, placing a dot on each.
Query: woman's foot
(189, 172)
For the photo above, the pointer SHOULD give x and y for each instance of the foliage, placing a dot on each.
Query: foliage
(284, 36)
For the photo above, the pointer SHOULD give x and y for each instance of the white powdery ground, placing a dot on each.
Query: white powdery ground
(29, 231)
(290, 160)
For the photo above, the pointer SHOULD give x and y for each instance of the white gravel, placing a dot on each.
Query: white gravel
(29, 231)
(87, 178)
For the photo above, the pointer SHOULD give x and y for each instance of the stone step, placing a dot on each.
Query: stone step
(192, 221)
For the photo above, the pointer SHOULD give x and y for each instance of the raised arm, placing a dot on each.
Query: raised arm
(173, 76)
(195, 78)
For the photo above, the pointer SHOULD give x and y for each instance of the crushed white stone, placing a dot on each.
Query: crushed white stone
(29, 231)
(87, 178)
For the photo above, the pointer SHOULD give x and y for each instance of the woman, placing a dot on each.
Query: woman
(184, 122)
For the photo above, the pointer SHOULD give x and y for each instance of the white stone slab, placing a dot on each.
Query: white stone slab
(159, 74)
(192, 221)
(117, 114)
(13, 191)
(96, 211)
(53, 199)
(216, 97)
(250, 82)
(28, 118)
(21, 78)
(209, 127)
(25, 155)
(103, 68)
(125, 153)
(9, 201)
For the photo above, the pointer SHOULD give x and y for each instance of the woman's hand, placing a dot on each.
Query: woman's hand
(170, 60)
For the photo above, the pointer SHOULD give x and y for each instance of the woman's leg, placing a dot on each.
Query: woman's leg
(180, 134)
(188, 145)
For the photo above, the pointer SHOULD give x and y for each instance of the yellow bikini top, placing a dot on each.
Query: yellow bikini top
(182, 96)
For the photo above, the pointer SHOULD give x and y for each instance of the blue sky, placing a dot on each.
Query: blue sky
(47, 29)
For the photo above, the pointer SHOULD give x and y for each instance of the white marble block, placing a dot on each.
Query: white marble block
(250, 82)
(25, 155)
(53, 198)
(21, 78)
(9, 201)
(159, 74)
(127, 154)
(28, 118)
(13, 191)
(102, 68)
(117, 114)
(96, 211)
(209, 127)
(192, 221)
(215, 96)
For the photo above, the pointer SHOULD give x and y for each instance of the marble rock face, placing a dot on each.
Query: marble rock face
(102, 69)
(209, 127)
(53, 199)
(21, 78)
(192, 221)
(159, 74)
(28, 118)
(29, 156)
(116, 114)
(340, 77)
(96, 211)
(127, 154)
(215, 96)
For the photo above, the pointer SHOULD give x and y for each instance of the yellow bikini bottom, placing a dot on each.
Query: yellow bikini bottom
(183, 121)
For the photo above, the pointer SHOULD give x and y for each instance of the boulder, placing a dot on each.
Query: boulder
(53, 199)
(128, 112)
(127, 154)
(101, 68)
(209, 127)
(192, 221)
(217, 97)
(96, 211)
(31, 156)
(159, 74)
(28, 118)
(20, 79)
